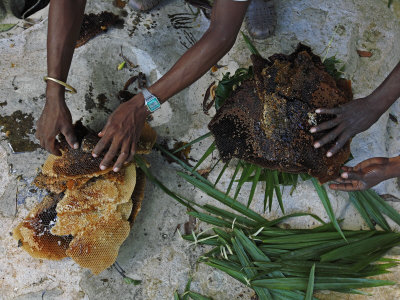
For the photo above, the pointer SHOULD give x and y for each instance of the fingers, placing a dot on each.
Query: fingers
(130, 157)
(326, 125)
(100, 146)
(344, 187)
(103, 131)
(327, 138)
(70, 137)
(52, 146)
(125, 153)
(347, 169)
(111, 153)
(338, 145)
(329, 111)
(349, 181)
(352, 176)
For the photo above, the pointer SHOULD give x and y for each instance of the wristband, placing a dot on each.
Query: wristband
(150, 101)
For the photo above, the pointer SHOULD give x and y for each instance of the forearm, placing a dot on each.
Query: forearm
(216, 42)
(393, 167)
(190, 67)
(388, 91)
(65, 19)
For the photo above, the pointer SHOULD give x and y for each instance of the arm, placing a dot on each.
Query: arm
(125, 124)
(368, 174)
(226, 19)
(65, 19)
(358, 115)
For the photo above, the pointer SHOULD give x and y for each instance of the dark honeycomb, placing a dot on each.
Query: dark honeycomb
(267, 119)
(80, 161)
(34, 233)
(94, 24)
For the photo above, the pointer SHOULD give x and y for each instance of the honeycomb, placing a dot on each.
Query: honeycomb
(266, 121)
(94, 24)
(88, 212)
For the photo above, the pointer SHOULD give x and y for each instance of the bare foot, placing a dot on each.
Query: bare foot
(261, 19)
(143, 5)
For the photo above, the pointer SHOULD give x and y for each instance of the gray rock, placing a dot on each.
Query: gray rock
(154, 252)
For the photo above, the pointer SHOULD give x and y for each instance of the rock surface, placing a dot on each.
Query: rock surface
(154, 252)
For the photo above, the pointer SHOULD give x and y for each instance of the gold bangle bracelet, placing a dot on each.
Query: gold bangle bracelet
(69, 88)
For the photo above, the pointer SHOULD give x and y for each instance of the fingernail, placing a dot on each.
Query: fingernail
(102, 167)
(317, 111)
(76, 146)
(317, 145)
(94, 154)
(329, 154)
(312, 130)
(345, 175)
(116, 169)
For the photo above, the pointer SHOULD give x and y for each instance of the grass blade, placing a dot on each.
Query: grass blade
(238, 166)
(255, 253)
(246, 172)
(230, 216)
(204, 240)
(221, 197)
(309, 237)
(6, 27)
(142, 165)
(278, 190)
(221, 173)
(384, 207)
(193, 142)
(176, 296)
(310, 286)
(250, 45)
(262, 293)
(361, 209)
(362, 247)
(294, 185)
(205, 155)
(327, 204)
(183, 164)
(322, 283)
(197, 296)
(253, 187)
(281, 219)
(187, 289)
(287, 295)
(373, 211)
(238, 275)
(210, 219)
(316, 251)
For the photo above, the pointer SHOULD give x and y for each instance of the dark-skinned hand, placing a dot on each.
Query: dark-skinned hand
(365, 175)
(351, 118)
(55, 119)
(121, 133)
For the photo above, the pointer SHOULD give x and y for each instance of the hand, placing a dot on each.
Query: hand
(363, 176)
(122, 131)
(56, 118)
(351, 118)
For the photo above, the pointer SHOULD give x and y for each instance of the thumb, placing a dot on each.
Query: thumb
(70, 137)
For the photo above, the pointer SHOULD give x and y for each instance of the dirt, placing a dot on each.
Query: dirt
(18, 127)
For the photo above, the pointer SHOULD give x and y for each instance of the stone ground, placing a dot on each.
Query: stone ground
(154, 252)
